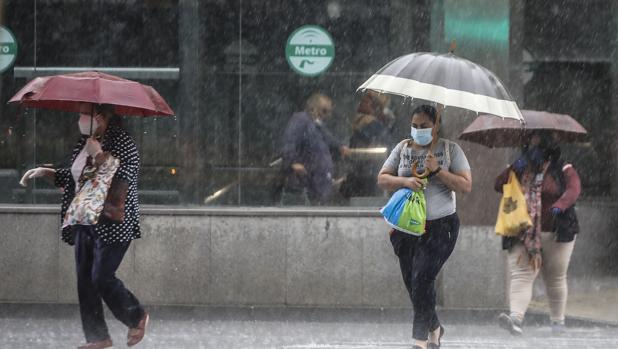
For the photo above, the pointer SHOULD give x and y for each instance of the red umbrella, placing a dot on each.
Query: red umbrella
(492, 132)
(67, 92)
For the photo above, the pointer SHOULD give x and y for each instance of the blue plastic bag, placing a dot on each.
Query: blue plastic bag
(406, 211)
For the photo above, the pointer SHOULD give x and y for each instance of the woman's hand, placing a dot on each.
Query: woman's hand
(414, 183)
(36, 173)
(520, 165)
(387, 180)
(345, 151)
(299, 169)
(93, 147)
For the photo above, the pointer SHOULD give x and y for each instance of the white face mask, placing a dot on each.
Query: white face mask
(84, 124)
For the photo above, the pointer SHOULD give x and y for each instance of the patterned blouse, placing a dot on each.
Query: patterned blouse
(117, 141)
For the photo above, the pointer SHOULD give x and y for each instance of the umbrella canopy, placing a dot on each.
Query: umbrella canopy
(497, 132)
(67, 92)
(445, 79)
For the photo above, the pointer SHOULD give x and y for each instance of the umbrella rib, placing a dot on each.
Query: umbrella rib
(432, 81)
(43, 90)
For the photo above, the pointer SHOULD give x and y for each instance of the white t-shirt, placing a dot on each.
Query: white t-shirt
(440, 199)
(78, 167)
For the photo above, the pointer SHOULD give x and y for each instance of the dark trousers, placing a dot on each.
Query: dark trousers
(96, 265)
(420, 259)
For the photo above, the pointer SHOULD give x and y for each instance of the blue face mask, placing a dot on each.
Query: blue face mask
(536, 155)
(422, 136)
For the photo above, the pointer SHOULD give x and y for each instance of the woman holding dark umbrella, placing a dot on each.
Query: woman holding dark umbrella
(551, 187)
(100, 248)
(422, 257)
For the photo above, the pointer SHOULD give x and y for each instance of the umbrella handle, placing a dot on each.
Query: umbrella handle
(425, 173)
(91, 118)
(453, 47)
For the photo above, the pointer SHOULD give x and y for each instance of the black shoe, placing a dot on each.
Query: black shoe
(434, 345)
(510, 324)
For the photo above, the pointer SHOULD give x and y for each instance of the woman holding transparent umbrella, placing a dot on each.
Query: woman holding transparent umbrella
(447, 80)
(421, 257)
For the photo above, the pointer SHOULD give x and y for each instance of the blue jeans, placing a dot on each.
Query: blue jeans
(96, 265)
(420, 260)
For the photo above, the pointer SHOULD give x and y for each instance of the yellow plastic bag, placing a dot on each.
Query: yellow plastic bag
(513, 216)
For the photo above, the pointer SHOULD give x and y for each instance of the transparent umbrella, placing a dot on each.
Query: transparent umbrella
(445, 79)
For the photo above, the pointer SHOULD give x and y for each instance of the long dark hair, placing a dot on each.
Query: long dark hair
(427, 110)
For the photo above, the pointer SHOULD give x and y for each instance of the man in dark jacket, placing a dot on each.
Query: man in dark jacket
(306, 153)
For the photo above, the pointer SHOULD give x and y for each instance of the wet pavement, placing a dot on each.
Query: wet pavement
(58, 326)
(591, 298)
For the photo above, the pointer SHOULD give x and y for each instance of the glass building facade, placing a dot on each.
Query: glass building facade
(221, 65)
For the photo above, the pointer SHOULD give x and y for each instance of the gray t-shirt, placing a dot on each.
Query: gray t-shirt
(440, 199)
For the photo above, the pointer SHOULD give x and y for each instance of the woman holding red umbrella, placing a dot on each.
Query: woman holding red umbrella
(100, 244)
(100, 248)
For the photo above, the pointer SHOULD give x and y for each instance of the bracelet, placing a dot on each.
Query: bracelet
(433, 173)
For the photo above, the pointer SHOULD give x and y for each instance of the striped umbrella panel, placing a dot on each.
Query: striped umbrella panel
(445, 79)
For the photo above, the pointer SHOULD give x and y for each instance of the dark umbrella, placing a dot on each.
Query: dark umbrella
(494, 132)
(67, 92)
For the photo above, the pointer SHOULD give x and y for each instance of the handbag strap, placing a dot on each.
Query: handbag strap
(87, 170)
(403, 148)
(447, 153)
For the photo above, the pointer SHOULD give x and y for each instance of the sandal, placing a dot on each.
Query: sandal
(434, 345)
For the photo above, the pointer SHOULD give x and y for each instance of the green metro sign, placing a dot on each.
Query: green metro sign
(8, 49)
(310, 50)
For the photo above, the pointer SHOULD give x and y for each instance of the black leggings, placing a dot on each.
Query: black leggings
(420, 259)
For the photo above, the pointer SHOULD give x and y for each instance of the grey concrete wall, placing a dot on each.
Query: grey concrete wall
(475, 275)
(252, 256)
(256, 257)
(594, 265)
(597, 245)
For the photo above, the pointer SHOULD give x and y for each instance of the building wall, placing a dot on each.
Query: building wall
(247, 257)
(280, 257)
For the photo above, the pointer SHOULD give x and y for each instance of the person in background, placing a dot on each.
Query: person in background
(422, 257)
(551, 187)
(100, 248)
(307, 161)
(370, 129)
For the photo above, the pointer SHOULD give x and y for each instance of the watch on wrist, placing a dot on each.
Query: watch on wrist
(435, 172)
